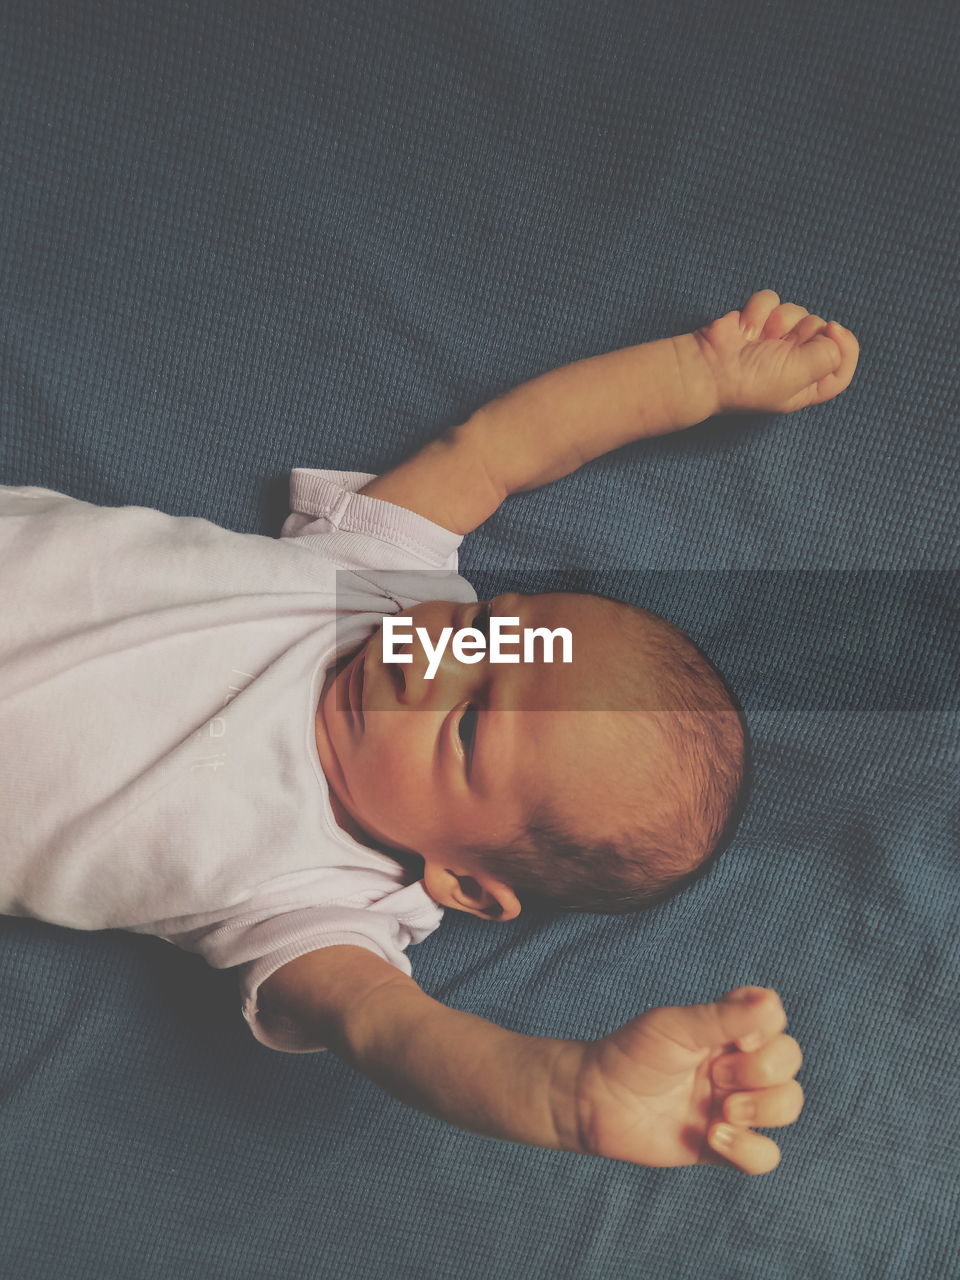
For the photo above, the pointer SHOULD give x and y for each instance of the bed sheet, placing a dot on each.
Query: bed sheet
(240, 237)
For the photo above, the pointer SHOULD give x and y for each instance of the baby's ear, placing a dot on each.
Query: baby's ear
(475, 892)
(487, 897)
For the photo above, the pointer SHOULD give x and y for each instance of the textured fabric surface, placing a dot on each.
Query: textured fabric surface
(241, 237)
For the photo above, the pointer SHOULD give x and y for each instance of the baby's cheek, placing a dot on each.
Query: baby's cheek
(395, 759)
(397, 796)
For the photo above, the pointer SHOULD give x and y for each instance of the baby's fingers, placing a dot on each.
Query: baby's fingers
(776, 1062)
(817, 357)
(831, 375)
(768, 1108)
(756, 311)
(807, 328)
(849, 350)
(750, 1152)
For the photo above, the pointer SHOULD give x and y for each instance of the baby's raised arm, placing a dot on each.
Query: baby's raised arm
(675, 1086)
(771, 357)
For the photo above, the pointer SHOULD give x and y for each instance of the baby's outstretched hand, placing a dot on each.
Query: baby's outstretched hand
(775, 357)
(682, 1085)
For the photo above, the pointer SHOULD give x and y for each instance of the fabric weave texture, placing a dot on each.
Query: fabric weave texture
(238, 238)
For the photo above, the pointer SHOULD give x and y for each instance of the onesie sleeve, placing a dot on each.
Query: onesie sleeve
(340, 926)
(256, 944)
(372, 532)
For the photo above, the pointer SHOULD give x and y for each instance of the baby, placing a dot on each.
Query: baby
(471, 774)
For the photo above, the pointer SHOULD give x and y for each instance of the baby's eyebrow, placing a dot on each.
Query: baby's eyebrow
(493, 613)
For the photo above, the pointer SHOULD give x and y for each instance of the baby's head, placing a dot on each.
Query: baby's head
(606, 783)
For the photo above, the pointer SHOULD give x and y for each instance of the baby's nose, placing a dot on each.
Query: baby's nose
(433, 671)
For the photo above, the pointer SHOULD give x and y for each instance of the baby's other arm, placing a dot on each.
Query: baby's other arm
(771, 357)
(550, 426)
(653, 1092)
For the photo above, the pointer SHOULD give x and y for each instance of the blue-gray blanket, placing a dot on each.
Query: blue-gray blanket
(238, 237)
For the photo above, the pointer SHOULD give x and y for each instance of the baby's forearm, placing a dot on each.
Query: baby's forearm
(553, 424)
(459, 1067)
(549, 426)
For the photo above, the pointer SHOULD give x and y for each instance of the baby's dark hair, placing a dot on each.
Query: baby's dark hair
(665, 846)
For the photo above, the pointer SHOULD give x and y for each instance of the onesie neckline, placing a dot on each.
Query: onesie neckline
(343, 837)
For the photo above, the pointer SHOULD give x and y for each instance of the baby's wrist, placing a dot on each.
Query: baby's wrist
(698, 377)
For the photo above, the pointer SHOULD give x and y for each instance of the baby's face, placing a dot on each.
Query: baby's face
(436, 765)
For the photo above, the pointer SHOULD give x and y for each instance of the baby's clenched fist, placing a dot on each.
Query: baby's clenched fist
(775, 357)
(684, 1085)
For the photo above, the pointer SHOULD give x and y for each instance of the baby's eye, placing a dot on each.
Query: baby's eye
(481, 621)
(467, 727)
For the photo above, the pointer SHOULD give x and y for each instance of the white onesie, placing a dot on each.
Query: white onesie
(159, 677)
